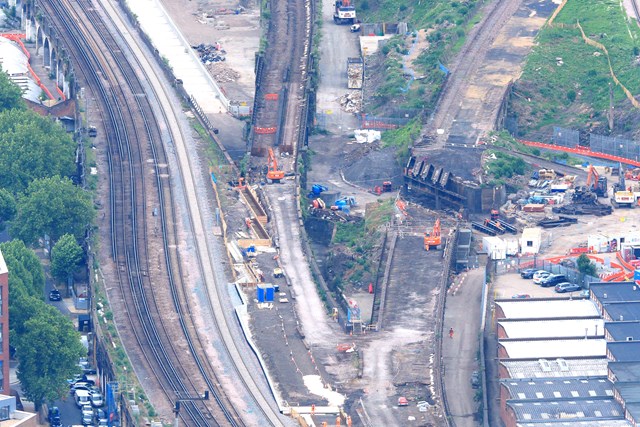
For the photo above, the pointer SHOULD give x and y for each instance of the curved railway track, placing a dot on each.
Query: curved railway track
(133, 136)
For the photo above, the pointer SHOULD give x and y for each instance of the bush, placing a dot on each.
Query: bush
(571, 95)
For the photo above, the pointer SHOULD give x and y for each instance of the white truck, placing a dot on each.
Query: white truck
(82, 398)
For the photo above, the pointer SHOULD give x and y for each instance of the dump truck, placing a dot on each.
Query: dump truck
(344, 12)
(355, 73)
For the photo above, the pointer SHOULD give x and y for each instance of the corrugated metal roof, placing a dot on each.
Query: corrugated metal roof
(523, 309)
(558, 368)
(596, 409)
(623, 311)
(615, 292)
(592, 423)
(553, 328)
(630, 392)
(624, 351)
(14, 63)
(555, 348)
(634, 410)
(558, 388)
(624, 331)
(625, 371)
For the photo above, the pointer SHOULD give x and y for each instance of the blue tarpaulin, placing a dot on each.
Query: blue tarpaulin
(213, 178)
(443, 68)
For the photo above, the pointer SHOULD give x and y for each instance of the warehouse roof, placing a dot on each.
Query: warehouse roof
(554, 348)
(570, 423)
(624, 351)
(556, 368)
(558, 388)
(561, 308)
(623, 331)
(595, 409)
(607, 292)
(625, 371)
(623, 311)
(630, 392)
(634, 410)
(552, 328)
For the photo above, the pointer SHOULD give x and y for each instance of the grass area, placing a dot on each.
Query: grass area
(501, 165)
(566, 81)
(402, 138)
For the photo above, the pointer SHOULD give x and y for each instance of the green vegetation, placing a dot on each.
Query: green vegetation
(65, 257)
(7, 207)
(500, 165)
(52, 206)
(566, 81)
(402, 138)
(585, 266)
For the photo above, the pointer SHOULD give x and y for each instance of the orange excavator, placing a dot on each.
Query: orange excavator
(432, 238)
(273, 173)
(596, 183)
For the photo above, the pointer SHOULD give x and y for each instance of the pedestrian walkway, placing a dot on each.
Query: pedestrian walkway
(196, 80)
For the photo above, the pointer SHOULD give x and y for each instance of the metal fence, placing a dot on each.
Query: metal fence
(515, 265)
(566, 137)
(614, 146)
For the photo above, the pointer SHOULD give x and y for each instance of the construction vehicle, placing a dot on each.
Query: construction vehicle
(318, 204)
(432, 239)
(344, 12)
(632, 174)
(386, 187)
(273, 173)
(596, 183)
(623, 197)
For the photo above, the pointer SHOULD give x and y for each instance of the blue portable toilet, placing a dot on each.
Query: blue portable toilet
(261, 293)
(269, 293)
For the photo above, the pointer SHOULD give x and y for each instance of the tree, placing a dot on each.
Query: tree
(10, 93)
(25, 268)
(48, 353)
(65, 256)
(52, 206)
(32, 147)
(585, 266)
(7, 207)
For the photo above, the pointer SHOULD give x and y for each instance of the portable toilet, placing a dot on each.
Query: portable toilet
(261, 293)
(270, 293)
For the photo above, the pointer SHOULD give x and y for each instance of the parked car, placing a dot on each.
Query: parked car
(86, 367)
(521, 296)
(54, 416)
(87, 419)
(528, 273)
(54, 295)
(100, 416)
(539, 276)
(96, 399)
(80, 385)
(552, 280)
(475, 379)
(567, 287)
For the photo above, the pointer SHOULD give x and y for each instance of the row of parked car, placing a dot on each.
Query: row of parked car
(88, 399)
(546, 280)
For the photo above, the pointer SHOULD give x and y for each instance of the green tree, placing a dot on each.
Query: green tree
(26, 270)
(7, 207)
(585, 266)
(32, 147)
(10, 93)
(47, 352)
(52, 206)
(65, 257)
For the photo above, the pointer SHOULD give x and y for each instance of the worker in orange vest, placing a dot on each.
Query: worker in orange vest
(450, 332)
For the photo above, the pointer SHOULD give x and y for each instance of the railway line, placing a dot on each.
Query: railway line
(135, 151)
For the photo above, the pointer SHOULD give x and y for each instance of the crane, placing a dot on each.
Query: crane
(273, 173)
(433, 238)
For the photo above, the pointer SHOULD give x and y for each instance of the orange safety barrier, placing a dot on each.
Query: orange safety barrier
(264, 131)
(583, 151)
(271, 96)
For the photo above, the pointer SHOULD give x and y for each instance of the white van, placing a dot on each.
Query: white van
(82, 398)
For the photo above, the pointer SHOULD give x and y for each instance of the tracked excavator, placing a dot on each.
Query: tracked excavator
(273, 173)
(432, 238)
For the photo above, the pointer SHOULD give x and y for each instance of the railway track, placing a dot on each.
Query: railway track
(133, 137)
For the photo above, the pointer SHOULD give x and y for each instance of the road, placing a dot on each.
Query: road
(462, 313)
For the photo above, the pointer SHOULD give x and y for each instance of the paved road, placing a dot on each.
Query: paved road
(462, 313)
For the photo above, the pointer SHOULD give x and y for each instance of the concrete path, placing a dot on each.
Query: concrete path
(462, 313)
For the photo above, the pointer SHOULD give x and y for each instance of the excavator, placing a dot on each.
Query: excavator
(432, 238)
(596, 183)
(273, 173)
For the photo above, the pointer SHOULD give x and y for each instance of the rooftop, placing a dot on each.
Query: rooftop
(624, 351)
(634, 410)
(625, 371)
(554, 348)
(556, 368)
(569, 423)
(595, 409)
(553, 328)
(3, 265)
(623, 311)
(624, 331)
(615, 292)
(561, 308)
(629, 392)
(558, 388)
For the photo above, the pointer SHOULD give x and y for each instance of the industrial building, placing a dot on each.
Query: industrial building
(563, 328)
(553, 368)
(4, 326)
(552, 308)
